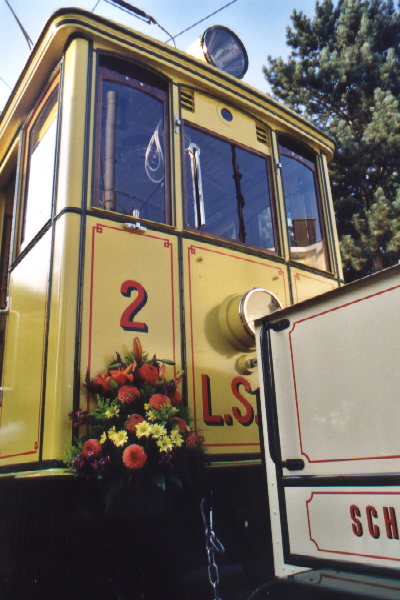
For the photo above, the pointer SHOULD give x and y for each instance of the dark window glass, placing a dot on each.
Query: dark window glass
(133, 162)
(234, 190)
(300, 187)
(226, 114)
(7, 195)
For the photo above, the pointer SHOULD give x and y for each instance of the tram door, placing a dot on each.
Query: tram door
(28, 288)
(331, 425)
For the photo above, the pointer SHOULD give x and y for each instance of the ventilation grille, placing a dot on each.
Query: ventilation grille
(187, 99)
(262, 135)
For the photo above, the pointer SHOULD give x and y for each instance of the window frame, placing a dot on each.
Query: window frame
(271, 189)
(105, 73)
(291, 148)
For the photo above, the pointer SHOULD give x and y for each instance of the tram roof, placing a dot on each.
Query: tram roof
(67, 23)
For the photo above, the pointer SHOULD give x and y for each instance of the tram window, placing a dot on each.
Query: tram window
(227, 190)
(39, 168)
(132, 166)
(304, 223)
(6, 197)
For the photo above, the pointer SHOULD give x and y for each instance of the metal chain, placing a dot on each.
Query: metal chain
(212, 545)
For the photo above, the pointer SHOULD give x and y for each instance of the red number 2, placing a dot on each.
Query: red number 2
(131, 311)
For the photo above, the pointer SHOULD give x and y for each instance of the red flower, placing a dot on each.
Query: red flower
(193, 441)
(137, 350)
(132, 421)
(128, 393)
(121, 375)
(181, 423)
(148, 373)
(102, 380)
(134, 457)
(157, 401)
(176, 397)
(161, 371)
(92, 448)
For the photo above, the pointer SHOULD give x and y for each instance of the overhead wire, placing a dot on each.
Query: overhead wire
(139, 14)
(26, 36)
(201, 20)
(5, 82)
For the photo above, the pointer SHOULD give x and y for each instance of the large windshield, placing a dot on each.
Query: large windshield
(132, 165)
(227, 190)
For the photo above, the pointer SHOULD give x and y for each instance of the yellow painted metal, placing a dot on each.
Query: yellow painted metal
(131, 289)
(335, 249)
(24, 356)
(279, 201)
(73, 123)
(219, 395)
(237, 314)
(307, 284)
(242, 127)
(62, 336)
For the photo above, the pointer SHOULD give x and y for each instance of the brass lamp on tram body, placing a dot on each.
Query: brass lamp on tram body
(222, 48)
(237, 314)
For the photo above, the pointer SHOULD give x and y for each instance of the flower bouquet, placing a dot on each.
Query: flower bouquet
(139, 429)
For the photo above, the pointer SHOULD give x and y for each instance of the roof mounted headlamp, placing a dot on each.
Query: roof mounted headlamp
(222, 48)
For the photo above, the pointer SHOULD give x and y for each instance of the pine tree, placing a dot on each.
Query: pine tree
(343, 73)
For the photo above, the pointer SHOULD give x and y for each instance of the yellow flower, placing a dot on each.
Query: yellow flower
(158, 431)
(151, 415)
(164, 443)
(111, 412)
(176, 437)
(111, 432)
(143, 429)
(119, 438)
(103, 437)
(146, 406)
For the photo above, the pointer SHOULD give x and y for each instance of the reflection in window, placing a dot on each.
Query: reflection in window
(300, 187)
(7, 195)
(234, 190)
(40, 170)
(132, 162)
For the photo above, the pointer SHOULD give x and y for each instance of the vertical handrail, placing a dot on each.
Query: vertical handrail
(109, 158)
(198, 197)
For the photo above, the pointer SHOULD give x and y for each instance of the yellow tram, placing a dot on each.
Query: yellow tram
(105, 237)
(144, 192)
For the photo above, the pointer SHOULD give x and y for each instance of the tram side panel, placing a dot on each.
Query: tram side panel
(131, 290)
(63, 335)
(23, 390)
(220, 390)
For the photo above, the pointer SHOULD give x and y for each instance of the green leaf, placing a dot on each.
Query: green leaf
(158, 478)
(166, 361)
(176, 480)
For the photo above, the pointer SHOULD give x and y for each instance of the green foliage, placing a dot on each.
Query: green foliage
(343, 74)
(70, 451)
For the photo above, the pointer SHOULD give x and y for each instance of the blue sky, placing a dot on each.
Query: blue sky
(260, 24)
